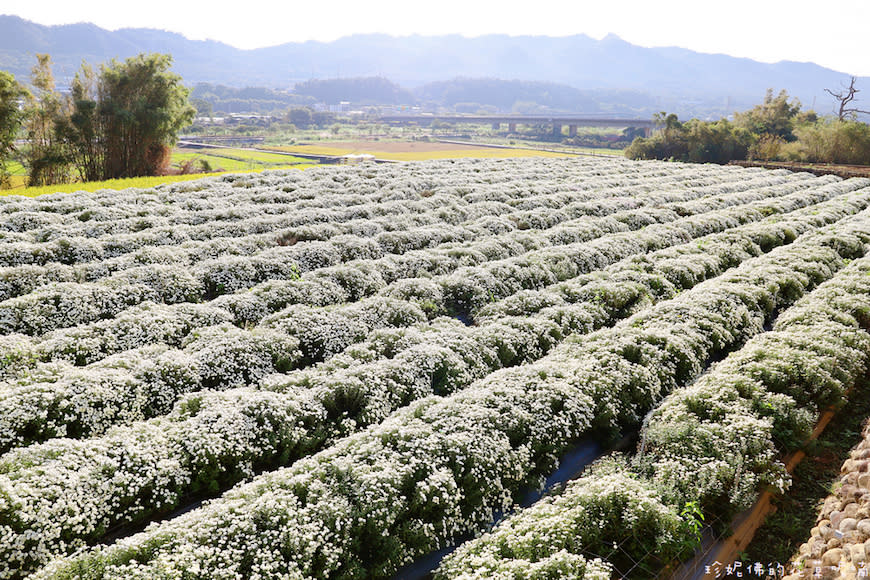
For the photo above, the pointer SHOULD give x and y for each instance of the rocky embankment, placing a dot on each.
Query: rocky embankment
(839, 545)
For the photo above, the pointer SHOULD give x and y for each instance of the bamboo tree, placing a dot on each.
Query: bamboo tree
(125, 119)
(11, 117)
(83, 130)
(46, 159)
(144, 106)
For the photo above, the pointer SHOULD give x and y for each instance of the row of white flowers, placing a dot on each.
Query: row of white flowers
(93, 258)
(370, 218)
(38, 410)
(498, 271)
(140, 325)
(717, 443)
(76, 303)
(219, 275)
(394, 234)
(731, 427)
(321, 333)
(221, 199)
(417, 232)
(470, 289)
(585, 532)
(530, 323)
(685, 265)
(64, 305)
(435, 469)
(59, 400)
(227, 273)
(157, 221)
(569, 230)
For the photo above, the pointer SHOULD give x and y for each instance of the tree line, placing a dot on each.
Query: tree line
(777, 129)
(118, 121)
(468, 95)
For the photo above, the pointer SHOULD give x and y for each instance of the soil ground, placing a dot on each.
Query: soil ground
(844, 171)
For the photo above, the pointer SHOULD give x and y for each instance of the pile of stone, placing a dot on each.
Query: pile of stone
(839, 545)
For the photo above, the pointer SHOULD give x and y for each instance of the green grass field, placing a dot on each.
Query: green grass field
(234, 159)
(219, 160)
(98, 185)
(15, 168)
(150, 181)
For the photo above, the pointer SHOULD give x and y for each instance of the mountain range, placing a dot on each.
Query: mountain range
(673, 79)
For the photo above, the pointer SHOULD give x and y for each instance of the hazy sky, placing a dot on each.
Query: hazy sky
(830, 33)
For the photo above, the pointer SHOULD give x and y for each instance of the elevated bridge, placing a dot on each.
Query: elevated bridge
(496, 121)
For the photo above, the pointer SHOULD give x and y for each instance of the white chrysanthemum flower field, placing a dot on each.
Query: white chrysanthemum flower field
(336, 372)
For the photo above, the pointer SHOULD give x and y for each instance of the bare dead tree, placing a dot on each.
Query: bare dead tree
(846, 96)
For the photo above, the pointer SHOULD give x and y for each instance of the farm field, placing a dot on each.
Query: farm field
(816, 168)
(522, 143)
(233, 159)
(216, 162)
(17, 174)
(91, 186)
(412, 150)
(337, 372)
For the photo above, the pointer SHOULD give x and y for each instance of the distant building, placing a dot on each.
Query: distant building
(209, 120)
(249, 119)
(342, 107)
(357, 158)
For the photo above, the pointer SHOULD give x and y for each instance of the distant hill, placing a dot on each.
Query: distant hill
(362, 91)
(672, 79)
(525, 97)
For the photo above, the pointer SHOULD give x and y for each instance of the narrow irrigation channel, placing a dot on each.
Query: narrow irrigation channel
(586, 452)
(572, 466)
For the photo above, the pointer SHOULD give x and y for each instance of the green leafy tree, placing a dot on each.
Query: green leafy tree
(301, 117)
(776, 116)
(46, 156)
(832, 141)
(143, 106)
(716, 142)
(11, 117)
(321, 118)
(203, 107)
(766, 148)
(82, 131)
(673, 144)
(125, 119)
(695, 141)
(669, 142)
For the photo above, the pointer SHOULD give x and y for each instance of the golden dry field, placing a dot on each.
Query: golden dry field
(413, 151)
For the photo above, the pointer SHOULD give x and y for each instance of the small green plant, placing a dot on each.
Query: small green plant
(693, 518)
